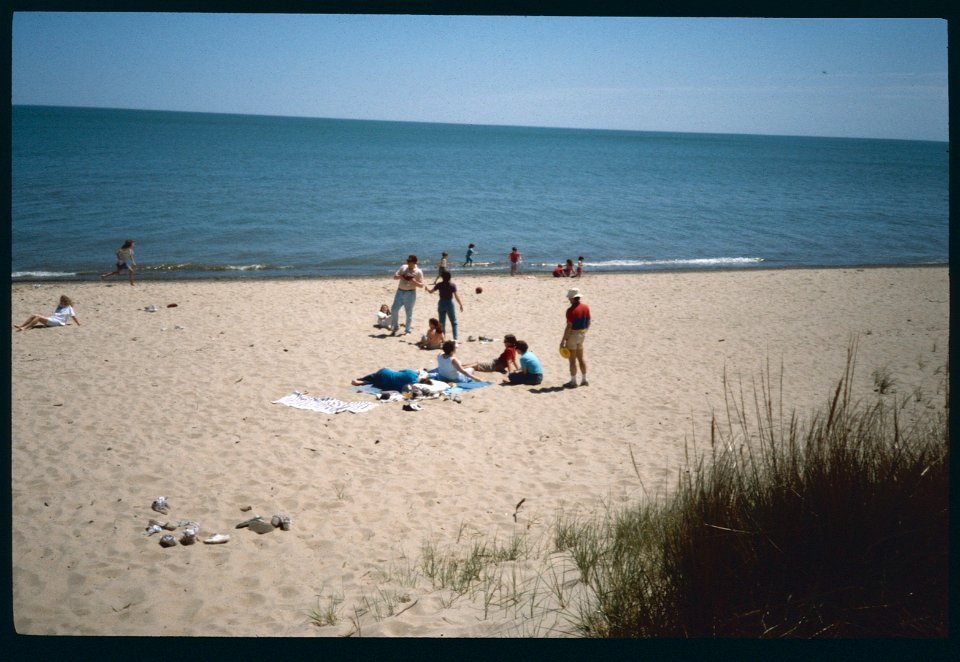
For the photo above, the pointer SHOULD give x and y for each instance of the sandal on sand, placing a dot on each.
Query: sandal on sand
(217, 539)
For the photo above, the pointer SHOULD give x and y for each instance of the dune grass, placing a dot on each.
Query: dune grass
(833, 528)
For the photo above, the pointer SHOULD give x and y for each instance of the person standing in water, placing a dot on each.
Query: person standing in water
(514, 261)
(470, 252)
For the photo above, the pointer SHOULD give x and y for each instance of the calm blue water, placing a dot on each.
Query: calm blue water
(248, 196)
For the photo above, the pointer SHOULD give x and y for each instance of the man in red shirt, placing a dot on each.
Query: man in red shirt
(578, 321)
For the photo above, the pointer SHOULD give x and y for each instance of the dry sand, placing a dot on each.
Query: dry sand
(132, 405)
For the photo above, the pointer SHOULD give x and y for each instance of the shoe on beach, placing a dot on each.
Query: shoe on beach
(571, 384)
(412, 406)
(584, 382)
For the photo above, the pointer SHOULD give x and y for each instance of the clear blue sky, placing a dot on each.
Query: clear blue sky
(874, 78)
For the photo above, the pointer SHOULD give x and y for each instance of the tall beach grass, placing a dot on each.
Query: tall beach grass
(835, 527)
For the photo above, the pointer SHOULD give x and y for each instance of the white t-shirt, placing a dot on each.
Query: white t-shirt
(61, 315)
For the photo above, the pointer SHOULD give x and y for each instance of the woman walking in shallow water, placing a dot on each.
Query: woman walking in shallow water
(124, 261)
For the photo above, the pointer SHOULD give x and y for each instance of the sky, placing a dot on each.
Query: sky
(865, 78)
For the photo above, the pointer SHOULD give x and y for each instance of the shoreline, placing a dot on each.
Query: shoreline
(181, 402)
(248, 276)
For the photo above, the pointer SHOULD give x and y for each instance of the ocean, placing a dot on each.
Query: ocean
(234, 196)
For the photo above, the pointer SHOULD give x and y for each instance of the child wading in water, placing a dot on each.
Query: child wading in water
(59, 318)
(470, 253)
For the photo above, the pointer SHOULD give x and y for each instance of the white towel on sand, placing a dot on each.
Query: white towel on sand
(326, 405)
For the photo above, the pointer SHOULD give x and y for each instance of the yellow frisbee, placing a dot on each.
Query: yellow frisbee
(564, 352)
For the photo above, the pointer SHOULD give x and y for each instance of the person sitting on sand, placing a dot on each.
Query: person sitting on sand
(504, 362)
(63, 311)
(530, 370)
(386, 379)
(449, 367)
(568, 269)
(383, 317)
(558, 271)
(433, 338)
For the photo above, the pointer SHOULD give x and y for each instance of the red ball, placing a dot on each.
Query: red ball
(479, 290)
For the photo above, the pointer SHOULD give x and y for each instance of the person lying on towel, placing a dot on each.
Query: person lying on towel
(386, 379)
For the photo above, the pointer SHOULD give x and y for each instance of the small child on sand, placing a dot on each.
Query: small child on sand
(433, 338)
(59, 318)
(383, 317)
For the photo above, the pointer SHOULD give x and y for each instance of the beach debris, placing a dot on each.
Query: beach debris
(153, 528)
(412, 406)
(151, 309)
(517, 508)
(248, 522)
(281, 521)
(190, 533)
(261, 526)
(217, 539)
(160, 505)
(246, 509)
(171, 305)
(167, 541)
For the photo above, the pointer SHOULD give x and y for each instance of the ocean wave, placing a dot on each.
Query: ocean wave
(679, 262)
(194, 267)
(43, 274)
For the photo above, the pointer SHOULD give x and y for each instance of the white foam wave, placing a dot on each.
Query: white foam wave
(42, 274)
(702, 262)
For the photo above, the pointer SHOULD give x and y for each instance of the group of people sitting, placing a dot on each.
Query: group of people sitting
(526, 370)
(568, 270)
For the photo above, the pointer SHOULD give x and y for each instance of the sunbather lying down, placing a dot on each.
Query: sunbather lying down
(386, 379)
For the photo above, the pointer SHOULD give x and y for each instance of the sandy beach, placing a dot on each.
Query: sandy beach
(131, 405)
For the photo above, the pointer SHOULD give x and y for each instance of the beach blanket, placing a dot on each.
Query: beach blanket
(300, 400)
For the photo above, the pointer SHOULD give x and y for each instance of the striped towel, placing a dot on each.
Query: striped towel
(326, 405)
